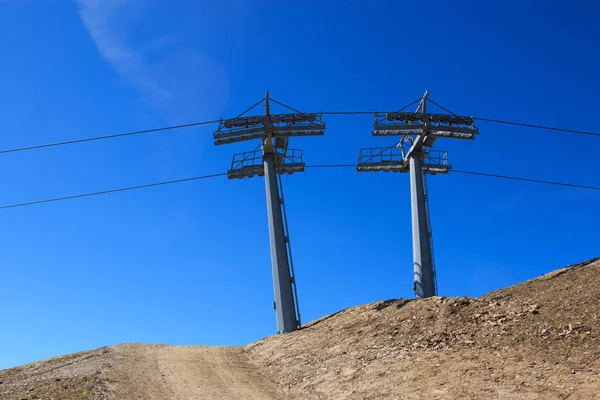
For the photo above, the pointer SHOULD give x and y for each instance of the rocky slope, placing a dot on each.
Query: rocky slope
(538, 339)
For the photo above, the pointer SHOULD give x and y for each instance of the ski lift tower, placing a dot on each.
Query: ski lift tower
(419, 131)
(271, 159)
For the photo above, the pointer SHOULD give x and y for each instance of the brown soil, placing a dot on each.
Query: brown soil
(76, 376)
(539, 339)
(152, 372)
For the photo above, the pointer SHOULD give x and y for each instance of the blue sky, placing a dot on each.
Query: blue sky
(189, 263)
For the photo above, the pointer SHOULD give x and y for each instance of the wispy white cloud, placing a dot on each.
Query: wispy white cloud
(99, 17)
(173, 82)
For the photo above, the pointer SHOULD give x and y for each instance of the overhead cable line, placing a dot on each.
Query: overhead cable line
(516, 178)
(367, 112)
(346, 112)
(116, 135)
(549, 128)
(498, 121)
(330, 166)
(195, 178)
(166, 128)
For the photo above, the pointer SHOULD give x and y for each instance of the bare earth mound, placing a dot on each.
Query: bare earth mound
(76, 376)
(141, 372)
(539, 339)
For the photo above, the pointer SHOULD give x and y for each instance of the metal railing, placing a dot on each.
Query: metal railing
(436, 157)
(385, 120)
(278, 125)
(250, 163)
(380, 155)
(255, 157)
(439, 125)
(392, 159)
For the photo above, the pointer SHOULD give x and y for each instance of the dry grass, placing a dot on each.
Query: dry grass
(75, 376)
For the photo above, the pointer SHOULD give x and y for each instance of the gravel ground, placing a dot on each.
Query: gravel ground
(536, 340)
(539, 339)
(76, 376)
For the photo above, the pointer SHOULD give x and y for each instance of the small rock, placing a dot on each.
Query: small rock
(534, 309)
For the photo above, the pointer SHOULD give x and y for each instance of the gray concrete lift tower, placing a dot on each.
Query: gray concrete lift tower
(271, 159)
(418, 133)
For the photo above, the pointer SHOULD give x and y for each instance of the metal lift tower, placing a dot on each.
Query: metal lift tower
(272, 160)
(419, 131)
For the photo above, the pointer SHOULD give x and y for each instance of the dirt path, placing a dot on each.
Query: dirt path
(539, 339)
(170, 372)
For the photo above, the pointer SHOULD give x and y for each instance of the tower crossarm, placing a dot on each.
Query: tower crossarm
(271, 159)
(413, 154)
(269, 126)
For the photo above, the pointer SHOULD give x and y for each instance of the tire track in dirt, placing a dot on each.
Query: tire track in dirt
(153, 372)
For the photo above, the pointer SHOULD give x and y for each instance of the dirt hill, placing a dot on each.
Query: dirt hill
(539, 339)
